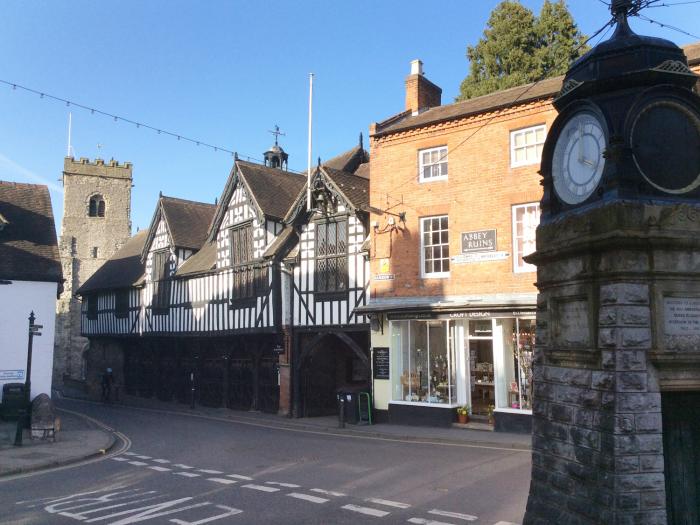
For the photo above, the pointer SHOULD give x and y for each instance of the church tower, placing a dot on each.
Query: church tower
(96, 223)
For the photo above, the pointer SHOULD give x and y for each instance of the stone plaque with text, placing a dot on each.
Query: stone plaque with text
(682, 316)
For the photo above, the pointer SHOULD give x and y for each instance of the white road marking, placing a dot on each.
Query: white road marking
(119, 459)
(187, 474)
(422, 521)
(286, 485)
(388, 503)
(229, 511)
(328, 492)
(180, 465)
(456, 515)
(207, 471)
(144, 457)
(223, 481)
(366, 510)
(307, 497)
(261, 488)
(137, 463)
(505, 523)
(161, 461)
(160, 469)
(238, 476)
(130, 453)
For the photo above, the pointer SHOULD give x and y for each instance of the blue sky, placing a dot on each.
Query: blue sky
(225, 72)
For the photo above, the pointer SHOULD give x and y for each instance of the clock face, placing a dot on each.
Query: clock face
(578, 162)
(665, 142)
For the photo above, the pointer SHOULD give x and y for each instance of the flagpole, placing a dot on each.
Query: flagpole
(308, 164)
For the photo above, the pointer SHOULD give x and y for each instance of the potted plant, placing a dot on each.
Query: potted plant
(463, 414)
(490, 414)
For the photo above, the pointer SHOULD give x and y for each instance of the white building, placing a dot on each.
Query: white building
(30, 280)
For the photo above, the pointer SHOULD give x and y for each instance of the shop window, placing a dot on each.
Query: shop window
(526, 217)
(526, 146)
(432, 164)
(331, 257)
(514, 370)
(160, 275)
(121, 303)
(96, 207)
(435, 246)
(423, 363)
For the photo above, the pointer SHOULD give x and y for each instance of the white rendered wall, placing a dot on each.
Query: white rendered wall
(17, 300)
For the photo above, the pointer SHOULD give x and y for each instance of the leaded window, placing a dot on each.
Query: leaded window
(121, 303)
(249, 280)
(331, 256)
(160, 275)
(97, 206)
(92, 306)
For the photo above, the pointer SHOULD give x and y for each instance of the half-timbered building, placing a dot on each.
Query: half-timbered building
(249, 303)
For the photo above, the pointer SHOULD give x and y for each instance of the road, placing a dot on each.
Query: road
(184, 470)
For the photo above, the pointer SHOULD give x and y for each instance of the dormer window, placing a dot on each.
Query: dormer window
(97, 206)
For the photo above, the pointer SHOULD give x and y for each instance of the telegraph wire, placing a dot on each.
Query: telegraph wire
(117, 118)
(667, 26)
(529, 88)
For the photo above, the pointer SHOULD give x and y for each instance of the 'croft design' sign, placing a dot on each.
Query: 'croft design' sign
(479, 241)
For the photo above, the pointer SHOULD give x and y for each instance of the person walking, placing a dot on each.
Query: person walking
(107, 380)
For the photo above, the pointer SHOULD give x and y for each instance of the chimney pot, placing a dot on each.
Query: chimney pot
(416, 67)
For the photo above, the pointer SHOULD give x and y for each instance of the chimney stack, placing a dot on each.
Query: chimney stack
(421, 93)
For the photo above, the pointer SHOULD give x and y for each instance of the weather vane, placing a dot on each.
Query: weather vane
(277, 133)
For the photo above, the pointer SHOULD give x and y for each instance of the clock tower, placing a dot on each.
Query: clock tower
(616, 412)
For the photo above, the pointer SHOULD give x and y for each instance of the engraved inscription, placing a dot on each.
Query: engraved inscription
(682, 315)
(572, 327)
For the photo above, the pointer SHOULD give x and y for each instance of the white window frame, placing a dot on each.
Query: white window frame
(525, 267)
(423, 273)
(442, 159)
(525, 131)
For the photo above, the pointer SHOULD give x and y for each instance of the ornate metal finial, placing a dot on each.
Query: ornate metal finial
(623, 8)
(361, 140)
(277, 133)
(319, 161)
(235, 155)
(160, 194)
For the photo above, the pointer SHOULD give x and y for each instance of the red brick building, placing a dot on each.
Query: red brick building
(454, 197)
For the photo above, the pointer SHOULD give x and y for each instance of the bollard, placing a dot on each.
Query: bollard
(20, 428)
(341, 412)
(192, 390)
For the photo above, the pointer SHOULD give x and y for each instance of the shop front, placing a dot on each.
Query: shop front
(438, 361)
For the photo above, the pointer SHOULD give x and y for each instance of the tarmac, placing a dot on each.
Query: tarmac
(82, 438)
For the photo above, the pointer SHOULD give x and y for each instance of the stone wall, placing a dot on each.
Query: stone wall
(604, 357)
(85, 244)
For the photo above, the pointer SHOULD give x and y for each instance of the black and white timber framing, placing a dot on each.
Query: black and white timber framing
(252, 266)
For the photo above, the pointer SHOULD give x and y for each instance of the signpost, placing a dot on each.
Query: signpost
(23, 419)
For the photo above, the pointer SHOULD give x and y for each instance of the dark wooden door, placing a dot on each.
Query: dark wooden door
(681, 424)
(240, 390)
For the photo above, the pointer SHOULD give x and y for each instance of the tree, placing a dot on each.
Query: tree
(518, 47)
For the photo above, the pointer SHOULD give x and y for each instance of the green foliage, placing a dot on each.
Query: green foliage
(518, 47)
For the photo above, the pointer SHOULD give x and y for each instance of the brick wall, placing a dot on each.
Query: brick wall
(478, 194)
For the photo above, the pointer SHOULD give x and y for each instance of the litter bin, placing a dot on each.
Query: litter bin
(353, 397)
(13, 401)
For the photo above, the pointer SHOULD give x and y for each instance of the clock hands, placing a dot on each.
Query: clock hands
(581, 149)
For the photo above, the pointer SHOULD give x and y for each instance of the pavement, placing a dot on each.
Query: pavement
(78, 440)
(82, 438)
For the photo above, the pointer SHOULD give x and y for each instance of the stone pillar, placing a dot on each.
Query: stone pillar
(618, 323)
